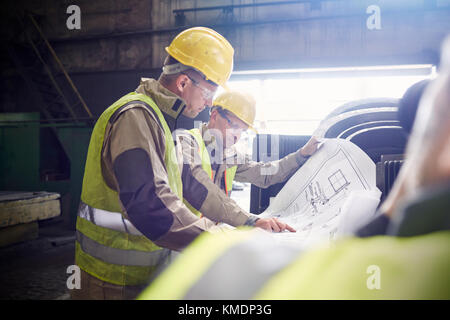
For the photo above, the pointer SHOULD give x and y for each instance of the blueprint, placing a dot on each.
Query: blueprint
(333, 193)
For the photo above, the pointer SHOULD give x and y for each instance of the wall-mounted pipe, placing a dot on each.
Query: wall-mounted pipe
(397, 13)
(251, 5)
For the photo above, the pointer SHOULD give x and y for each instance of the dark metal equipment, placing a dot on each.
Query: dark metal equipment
(370, 124)
(38, 156)
(387, 172)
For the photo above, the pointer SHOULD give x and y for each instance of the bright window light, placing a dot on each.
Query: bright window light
(295, 101)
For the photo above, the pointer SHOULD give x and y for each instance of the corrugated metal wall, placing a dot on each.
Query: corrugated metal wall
(120, 41)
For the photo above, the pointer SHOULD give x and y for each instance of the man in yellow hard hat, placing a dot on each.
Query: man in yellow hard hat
(210, 154)
(131, 210)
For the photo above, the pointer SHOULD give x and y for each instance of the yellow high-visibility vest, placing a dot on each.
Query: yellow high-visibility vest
(108, 246)
(381, 267)
(206, 165)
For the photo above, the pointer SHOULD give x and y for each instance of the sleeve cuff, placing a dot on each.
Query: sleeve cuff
(300, 159)
(251, 221)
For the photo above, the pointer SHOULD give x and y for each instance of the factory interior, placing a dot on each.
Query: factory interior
(321, 74)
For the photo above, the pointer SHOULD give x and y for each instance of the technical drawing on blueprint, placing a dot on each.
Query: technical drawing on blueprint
(335, 187)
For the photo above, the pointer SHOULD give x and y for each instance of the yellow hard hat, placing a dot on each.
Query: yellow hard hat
(205, 50)
(241, 104)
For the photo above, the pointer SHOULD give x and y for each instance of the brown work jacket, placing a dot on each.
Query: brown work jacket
(261, 174)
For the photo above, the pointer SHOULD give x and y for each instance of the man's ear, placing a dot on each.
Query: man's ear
(181, 82)
(213, 116)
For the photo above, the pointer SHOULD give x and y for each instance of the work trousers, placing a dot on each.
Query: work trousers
(93, 288)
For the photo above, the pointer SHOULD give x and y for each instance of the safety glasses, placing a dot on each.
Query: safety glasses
(208, 94)
(231, 124)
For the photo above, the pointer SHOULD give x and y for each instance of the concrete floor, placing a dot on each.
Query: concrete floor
(36, 270)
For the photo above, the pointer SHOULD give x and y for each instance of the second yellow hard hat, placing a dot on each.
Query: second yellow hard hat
(241, 104)
(205, 50)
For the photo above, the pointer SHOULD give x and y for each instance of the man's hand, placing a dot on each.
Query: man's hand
(273, 225)
(310, 147)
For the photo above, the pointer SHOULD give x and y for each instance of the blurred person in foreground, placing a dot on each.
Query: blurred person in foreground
(406, 114)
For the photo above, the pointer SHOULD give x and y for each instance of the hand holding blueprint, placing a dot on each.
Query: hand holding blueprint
(330, 195)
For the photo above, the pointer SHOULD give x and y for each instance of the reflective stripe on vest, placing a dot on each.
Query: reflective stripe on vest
(107, 219)
(108, 246)
(121, 257)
